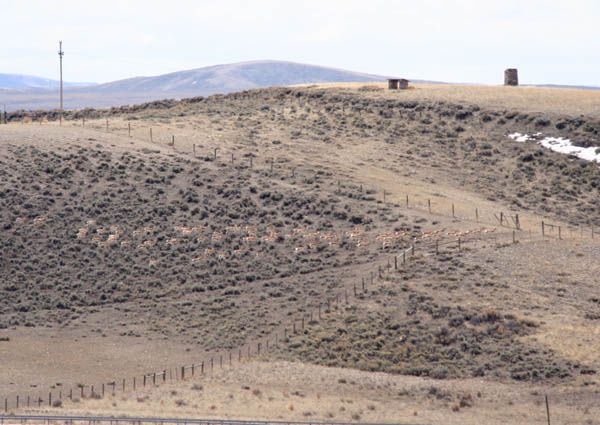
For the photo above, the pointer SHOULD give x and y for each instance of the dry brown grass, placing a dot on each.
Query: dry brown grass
(523, 99)
(281, 391)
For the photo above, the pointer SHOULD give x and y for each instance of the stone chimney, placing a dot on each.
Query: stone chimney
(511, 77)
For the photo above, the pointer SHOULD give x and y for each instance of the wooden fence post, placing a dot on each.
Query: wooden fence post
(129, 129)
(547, 409)
(559, 236)
(406, 201)
(429, 205)
(194, 148)
(453, 216)
(437, 246)
(476, 215)
(459, 244)
(543, 230)
(395, 262)
(150, 134)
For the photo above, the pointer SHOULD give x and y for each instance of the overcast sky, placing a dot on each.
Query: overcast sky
(456, 40)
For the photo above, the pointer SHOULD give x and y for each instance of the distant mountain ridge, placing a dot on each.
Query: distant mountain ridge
(205, 81)
(20, 82)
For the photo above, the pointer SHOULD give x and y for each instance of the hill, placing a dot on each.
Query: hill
(192, 231)
(196, 82)
(235, 77)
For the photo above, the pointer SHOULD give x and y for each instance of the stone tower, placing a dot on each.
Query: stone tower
(511, 77)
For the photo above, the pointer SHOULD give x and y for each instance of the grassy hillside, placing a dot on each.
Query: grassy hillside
(196, 252)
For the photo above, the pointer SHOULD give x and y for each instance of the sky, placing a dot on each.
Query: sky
(455, 40)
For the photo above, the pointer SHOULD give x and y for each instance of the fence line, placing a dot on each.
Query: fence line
(510, 220)
(348, 293)
(476, 215)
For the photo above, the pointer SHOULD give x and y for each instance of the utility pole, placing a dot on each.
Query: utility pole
(60, 55)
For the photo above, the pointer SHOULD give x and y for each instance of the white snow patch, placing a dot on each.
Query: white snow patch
(518, 137)
(560, 145)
